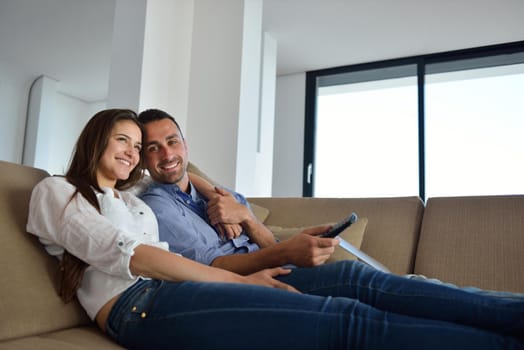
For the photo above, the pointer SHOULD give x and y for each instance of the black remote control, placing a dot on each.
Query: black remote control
(341, 226)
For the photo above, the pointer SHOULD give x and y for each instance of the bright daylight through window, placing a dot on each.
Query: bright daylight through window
(367, 139)
(440, 125)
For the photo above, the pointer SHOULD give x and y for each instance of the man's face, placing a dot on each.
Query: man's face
(165, 153)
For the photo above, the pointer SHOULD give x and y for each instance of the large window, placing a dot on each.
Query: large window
(437, 125)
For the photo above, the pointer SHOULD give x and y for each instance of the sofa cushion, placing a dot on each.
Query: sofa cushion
(260, 212)
(474, 241)
(391, 233)
(353, 234)
(29, 303)
(79, 338)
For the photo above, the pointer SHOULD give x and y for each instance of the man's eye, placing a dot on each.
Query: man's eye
(152, 149)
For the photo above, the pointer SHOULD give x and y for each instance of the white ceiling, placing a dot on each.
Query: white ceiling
(70, 40)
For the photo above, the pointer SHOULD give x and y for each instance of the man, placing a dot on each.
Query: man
(221, 232)
(186, 223)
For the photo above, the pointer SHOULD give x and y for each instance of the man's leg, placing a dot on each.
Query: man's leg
(495, 293)
(410, 296)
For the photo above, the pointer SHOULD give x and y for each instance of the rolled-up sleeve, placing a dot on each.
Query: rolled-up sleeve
(71, 222)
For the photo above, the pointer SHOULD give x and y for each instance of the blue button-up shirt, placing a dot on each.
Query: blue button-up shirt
(183, 223)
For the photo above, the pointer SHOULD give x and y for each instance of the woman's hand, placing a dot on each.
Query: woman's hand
(266, 278)
(229, 231)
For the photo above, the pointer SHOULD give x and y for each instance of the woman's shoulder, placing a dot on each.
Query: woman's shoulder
(54, 182)
(54, 186)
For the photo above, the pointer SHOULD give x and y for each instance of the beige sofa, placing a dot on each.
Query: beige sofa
(475, 241)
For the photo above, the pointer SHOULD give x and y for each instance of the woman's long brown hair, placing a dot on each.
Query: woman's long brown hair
(88, 151)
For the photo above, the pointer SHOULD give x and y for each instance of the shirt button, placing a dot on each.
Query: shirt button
(141, 213)
(120, 244)
(188, 201)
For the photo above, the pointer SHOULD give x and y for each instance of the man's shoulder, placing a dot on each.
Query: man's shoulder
(156, 189)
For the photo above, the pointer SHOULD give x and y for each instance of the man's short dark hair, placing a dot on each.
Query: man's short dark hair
(152, 114)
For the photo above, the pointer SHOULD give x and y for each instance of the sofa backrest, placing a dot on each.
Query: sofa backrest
(28, 302)
(474, 241)
(391, 234)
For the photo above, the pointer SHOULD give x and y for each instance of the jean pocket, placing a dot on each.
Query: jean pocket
(139, 306)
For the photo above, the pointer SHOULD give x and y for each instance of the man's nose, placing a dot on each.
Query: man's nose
(165, 153)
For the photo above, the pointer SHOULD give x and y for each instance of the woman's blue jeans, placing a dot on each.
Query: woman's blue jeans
(346, 305)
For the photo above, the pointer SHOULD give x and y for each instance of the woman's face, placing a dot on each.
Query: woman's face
(121, 154)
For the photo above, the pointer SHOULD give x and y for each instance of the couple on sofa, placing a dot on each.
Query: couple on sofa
(144, 296)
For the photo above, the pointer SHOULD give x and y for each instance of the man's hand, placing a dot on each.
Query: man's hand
(225, 209)
(306, 249)
(266, 278)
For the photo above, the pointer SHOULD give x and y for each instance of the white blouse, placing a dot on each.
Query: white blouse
(106, 242)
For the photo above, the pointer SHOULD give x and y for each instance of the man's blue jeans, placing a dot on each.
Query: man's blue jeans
(346, 305)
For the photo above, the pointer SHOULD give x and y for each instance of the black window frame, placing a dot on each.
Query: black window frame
(421, 61)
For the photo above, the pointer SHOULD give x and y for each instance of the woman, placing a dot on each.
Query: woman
(147, 298)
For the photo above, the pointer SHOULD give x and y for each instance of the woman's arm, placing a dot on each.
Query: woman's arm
(209, 191)
(153, 262)
(203, 186)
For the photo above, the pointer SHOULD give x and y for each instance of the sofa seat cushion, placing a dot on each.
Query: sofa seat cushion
(80, 338)
(474, 241)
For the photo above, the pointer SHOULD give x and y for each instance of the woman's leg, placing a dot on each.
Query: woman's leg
(163, 315)
(410, 296)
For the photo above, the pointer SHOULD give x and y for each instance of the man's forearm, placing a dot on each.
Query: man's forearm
(258, 232)
(247, 263)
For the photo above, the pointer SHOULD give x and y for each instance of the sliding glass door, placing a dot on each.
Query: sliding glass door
(446, 124)
(366, 136)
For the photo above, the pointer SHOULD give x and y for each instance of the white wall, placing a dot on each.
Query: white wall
(14, 88)
(289, 135)
(65, 117)
(54, 121)
(71, 115)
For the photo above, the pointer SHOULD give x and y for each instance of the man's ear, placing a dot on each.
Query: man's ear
(187, 150)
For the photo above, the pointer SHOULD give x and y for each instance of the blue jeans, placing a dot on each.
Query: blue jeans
(348, 306)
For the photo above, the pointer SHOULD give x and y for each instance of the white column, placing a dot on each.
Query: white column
(127, 54)
(151, 55)
(264, 161)
(224, 90)
(40, 123)
(289, 135)
(167, 57)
